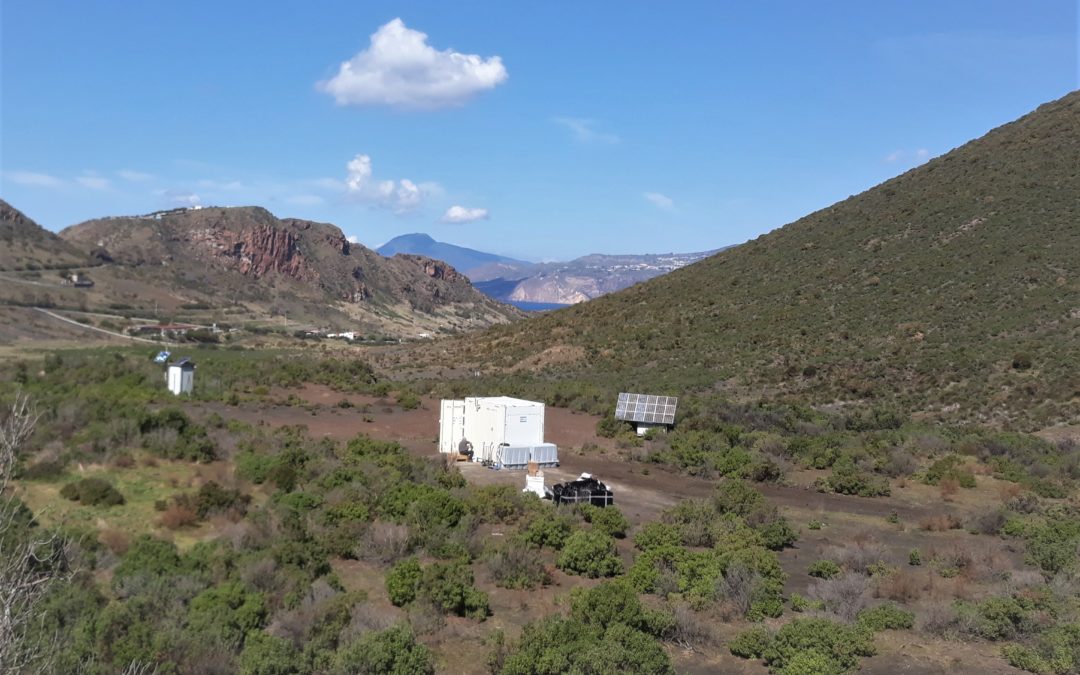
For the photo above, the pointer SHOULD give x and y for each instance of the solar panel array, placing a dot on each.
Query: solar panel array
(646, 408)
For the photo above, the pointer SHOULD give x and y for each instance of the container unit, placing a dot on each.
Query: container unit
(451, 425)
(180, 377)
(496, 422)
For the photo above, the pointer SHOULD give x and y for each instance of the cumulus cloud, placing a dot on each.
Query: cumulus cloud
(93, 182)
(32, 179)
(400, 196)
(462, 214)
(353, 239)
(908, 156)
(400, 69)
(583, 130)
(660, 201)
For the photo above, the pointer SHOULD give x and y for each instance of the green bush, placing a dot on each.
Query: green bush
(266, 654)
(738, 497)
(656, 535)
(845, 479)
(450, 588)
(555, 645)
(750, 644)
(393, 651)
(92, 492)
(226, 613)
(914, 557)
(403, 581)
(824, 569)
(833, 647)
(1053, 545)
(608, 520)
(591, 554)
(1054, 652)
(886, 617)
(548, 529)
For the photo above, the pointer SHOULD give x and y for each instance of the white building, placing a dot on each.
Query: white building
(180, 376)
(499, 429)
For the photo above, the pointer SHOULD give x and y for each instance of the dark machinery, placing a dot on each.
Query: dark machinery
(584, 490)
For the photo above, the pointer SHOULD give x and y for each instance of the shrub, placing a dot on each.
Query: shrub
(403, 581)
(177, 516)
(996, 618)
(548, 529)
(827, 646)
(845, 479)
(266, 654)
(750, 644)
(1055, 652)
(517, 567)
(914, 557)
(656, 535)
(886, 617)
(1053, 546)
(393, 651)
(609, 427)
(556, 645)
(608, 520)
(738, 497)
(824, 569)
(450, 587)
(92, 492)
(591, 554)
(408, 400)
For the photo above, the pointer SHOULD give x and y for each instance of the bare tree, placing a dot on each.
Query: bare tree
(30, 561)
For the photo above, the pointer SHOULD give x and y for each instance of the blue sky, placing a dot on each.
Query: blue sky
(540, 130)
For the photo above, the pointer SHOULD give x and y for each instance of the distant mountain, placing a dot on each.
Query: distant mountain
(520, 282)
(466, 260)
(581, 279)
(308, 271)
(951, 291)
(28, 246)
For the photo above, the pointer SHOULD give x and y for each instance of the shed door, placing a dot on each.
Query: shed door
(524, 427)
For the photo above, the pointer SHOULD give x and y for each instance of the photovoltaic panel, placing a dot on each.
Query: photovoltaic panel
(646, 408)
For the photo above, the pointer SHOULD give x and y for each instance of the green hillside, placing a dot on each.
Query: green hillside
(952, 290)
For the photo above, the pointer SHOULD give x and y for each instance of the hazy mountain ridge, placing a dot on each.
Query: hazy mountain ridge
(570, 282)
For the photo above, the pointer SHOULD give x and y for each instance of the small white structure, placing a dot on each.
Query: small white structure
(500, 430)
(180, 376)
(535, 484)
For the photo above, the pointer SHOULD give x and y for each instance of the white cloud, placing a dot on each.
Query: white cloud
(400, 69)
(134, 176)
(583, 131)
(93, 182)
(462, 214)
(179, 197)
(660, 201)
(32, 179)
(401, 196)
(908, 156)
(353, 239)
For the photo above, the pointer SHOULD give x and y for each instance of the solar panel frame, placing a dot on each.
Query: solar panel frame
(646, 408)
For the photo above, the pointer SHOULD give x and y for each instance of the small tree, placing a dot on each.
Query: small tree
(591, 554)
(31, 561)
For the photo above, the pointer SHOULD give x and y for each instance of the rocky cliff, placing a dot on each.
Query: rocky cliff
(247, 253)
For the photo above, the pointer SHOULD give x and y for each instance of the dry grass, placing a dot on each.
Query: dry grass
(114, 540)
(178, 516)
(940, 523)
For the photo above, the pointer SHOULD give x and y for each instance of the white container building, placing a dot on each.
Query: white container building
(501, 430)
(180, 377)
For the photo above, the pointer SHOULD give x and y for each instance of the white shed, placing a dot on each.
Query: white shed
(180, 377)
(495, 426)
